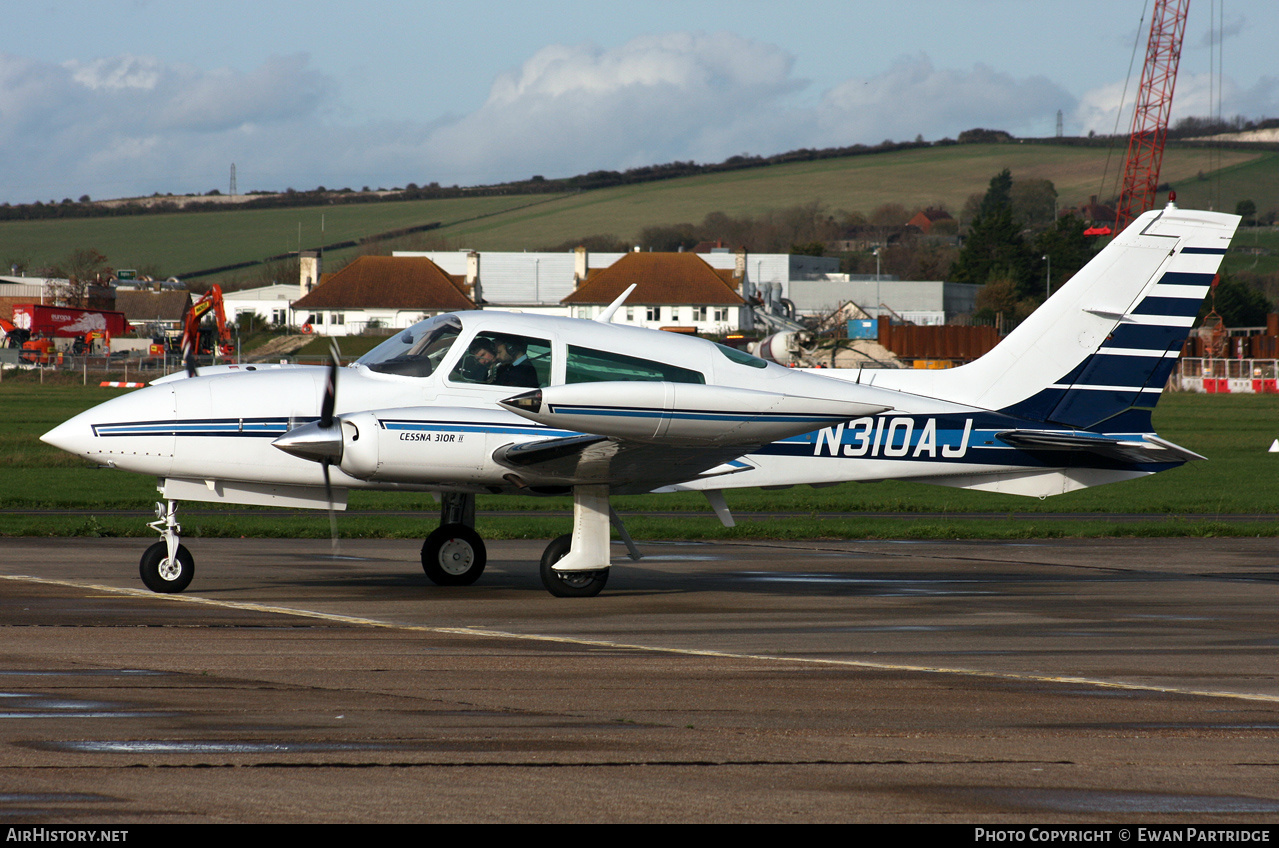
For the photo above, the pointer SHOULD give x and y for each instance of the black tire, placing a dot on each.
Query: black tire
(160, 575)
(573, 584)
(453, 555)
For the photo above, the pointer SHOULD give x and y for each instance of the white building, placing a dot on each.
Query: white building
(271, 304)
(922, 302)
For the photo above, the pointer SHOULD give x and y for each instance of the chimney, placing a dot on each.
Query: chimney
(309, 267)
(739, 269)
(473, 284)
(581, 265)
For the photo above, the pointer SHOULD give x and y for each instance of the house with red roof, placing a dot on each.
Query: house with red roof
(380, 291)
(673, 291)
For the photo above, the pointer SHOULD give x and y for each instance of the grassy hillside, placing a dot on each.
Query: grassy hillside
(177, 243)
(946, 175)
(174, 244)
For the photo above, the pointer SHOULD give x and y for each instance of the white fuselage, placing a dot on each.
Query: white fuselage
(440, 431)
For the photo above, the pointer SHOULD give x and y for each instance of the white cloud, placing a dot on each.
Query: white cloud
(116, 73)
(570, 109)
(1195, 95)
(915, 98)
(133, 125)
(128, 125)
(281, 89)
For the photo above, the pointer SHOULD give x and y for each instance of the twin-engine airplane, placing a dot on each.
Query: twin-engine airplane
(487, 402)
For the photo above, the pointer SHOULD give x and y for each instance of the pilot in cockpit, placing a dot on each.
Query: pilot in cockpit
(513, 365)
(477, 365)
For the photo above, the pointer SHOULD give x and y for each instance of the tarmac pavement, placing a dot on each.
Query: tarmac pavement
(954, 682)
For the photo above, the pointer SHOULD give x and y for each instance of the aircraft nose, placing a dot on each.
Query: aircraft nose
(73, 436)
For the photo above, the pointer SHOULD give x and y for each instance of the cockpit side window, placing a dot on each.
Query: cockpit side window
(741, 357)
(505, 359)
(585, 365)
(417, 351)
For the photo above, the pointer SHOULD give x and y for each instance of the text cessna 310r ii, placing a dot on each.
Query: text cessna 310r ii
(487, 402)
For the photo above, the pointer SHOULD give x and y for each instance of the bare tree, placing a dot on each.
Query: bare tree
(83, 268)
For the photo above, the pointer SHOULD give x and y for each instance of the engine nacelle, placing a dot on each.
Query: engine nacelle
(419, 444)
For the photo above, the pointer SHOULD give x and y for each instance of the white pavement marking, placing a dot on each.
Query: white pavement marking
(486, 633)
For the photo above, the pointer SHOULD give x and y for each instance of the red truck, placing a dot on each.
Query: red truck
(36, 325)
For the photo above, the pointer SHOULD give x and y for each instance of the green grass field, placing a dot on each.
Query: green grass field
(1234, 432)
(174, 244)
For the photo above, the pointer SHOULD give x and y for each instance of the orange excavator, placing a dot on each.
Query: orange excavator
(207, 341)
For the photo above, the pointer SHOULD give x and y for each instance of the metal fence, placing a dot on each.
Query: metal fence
(126, 368)
(1226, 376)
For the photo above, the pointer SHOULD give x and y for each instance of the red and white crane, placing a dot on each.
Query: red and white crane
(1154, 105)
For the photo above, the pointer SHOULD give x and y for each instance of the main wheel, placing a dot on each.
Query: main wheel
(569, 584)
(453, 555)
(162, 574)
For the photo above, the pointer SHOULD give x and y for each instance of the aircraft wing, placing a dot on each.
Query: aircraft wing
(1148, 448)
(644, 435)
(627, 465)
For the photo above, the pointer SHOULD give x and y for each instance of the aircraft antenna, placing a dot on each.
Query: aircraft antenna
(606, 317)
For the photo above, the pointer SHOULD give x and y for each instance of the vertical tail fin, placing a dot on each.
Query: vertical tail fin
(1099, 351)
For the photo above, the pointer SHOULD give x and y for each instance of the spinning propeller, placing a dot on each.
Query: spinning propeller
(188, 356)
(321, 440)
(326, 424)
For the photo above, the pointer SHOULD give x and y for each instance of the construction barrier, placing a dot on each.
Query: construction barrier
(1227, 376)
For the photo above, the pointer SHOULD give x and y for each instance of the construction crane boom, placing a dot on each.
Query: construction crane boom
(1154, 105)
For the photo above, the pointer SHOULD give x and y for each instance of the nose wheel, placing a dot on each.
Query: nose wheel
(167, 574)
(167, 566)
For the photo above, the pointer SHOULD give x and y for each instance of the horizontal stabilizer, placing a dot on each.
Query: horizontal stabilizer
(1137, 450)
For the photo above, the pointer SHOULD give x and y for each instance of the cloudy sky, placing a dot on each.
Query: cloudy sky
(119, 98)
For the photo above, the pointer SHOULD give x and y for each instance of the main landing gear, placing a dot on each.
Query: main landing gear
(454, 554)
(573, 566)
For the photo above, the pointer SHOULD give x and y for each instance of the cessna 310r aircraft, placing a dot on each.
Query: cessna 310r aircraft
(487, 402)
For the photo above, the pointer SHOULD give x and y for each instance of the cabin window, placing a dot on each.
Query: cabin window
(741, 357)
(585, 365)
(417, 351)
(505, 359)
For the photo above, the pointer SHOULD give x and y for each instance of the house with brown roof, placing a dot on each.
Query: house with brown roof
(153, 312)
(380, 291)
(672, 290)
(925, 219)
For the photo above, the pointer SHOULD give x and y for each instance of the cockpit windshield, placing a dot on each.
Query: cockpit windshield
(417, 351)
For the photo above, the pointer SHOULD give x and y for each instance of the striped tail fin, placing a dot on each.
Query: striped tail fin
(1097, 354)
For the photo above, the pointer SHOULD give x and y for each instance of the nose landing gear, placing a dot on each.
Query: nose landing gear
(167, 566)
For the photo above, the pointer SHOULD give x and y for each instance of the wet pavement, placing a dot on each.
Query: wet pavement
(1108, 680)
